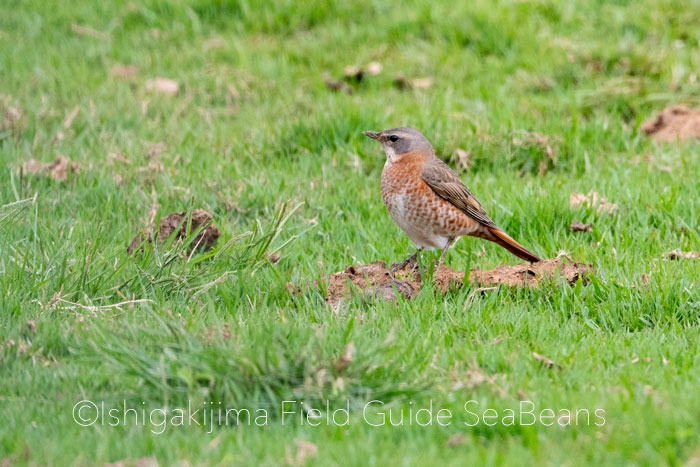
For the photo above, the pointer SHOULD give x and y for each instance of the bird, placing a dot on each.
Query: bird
(428, 200)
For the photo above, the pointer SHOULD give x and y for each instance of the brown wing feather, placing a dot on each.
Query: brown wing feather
(447, 185)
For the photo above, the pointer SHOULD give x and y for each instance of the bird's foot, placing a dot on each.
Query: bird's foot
(411, 260)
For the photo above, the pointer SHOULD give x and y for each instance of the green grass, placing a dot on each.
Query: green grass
(253, 128)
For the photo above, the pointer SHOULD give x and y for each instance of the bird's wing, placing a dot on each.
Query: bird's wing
(447, 185)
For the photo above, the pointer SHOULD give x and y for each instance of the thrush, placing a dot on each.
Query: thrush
(427, 199)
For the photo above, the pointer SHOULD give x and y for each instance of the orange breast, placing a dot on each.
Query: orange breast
(425, 217)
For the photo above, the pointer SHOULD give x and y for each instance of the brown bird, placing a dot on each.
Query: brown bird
(429, 201)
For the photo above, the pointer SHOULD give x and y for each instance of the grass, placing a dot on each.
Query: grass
(253, 128)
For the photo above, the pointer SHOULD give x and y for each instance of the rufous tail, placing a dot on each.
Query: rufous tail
(507, 242)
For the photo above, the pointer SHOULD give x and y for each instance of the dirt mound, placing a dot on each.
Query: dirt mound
(58, 169)
(580, 227)
(375, 280)
(530, 275)
(674, 122)
(677, 254)
(178, 221)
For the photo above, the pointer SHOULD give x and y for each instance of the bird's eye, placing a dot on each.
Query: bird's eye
(393, 138)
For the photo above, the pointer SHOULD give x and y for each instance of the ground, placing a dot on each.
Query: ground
(235, 108)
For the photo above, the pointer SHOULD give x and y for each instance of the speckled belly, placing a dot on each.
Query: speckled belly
(428, 220)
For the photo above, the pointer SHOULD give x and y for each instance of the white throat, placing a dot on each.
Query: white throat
(390, 155)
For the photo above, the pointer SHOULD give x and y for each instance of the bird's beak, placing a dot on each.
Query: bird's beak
(371, 134)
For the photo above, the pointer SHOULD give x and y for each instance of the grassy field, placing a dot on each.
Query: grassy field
(545, 97)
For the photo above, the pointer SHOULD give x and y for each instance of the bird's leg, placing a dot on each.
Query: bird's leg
(411, 259)
(442, 256)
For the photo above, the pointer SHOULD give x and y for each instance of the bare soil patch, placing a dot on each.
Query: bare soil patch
(593, 200)
(58, 169)
(126, 72)
(676, 122)
(163, 85)
(580, 227)
(403, 83)
(677, 254)
(12, 119)
(178, 222)
(375, 280)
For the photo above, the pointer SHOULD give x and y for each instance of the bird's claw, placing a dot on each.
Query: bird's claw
(402, 266)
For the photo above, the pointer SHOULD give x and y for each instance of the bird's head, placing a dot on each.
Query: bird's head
(399, 141)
